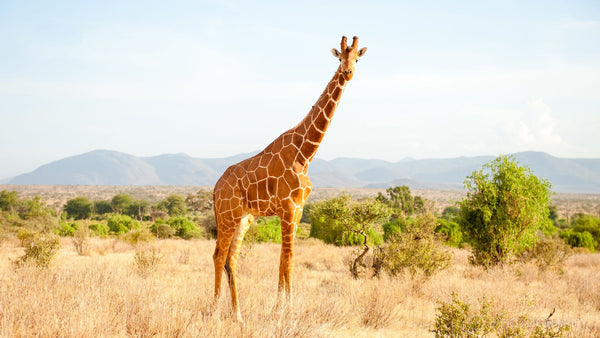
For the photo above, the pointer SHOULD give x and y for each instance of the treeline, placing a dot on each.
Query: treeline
(502, 198)
(186, 216)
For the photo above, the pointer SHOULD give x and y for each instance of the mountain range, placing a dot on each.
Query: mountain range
(107, 167)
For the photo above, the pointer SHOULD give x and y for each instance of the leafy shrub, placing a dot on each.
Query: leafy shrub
(147, 260)
(137, 236)
(343, 222)
(99, 229)
(578, 239)
(504, 208)
(451, 231)
(393, 227)
(9, 200)
(26, 235)
(265, 229)
(416, 250)
(121, 224)
(40, 250)
(184, 227)
(35, 207)
(547, 253)
(164, 231)
(66, 228)
(457, 319)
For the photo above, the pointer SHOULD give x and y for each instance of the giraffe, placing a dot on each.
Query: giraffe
(275, 182)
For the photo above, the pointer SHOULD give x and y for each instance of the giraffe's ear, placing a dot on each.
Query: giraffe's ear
(362, 51)
(336, 53)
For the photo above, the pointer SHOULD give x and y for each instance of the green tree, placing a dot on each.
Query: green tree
(356, 218)
(35, 207)
(201, 202)
(120, 203)
(9, 200)
(174, 205)
(79, 208)
(505, 205)
(401, 201)
(102, 207)
(587, 223)
(138, 209)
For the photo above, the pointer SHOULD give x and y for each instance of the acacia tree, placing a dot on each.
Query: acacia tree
(357, 217)
(174, 205)
(505, 205)
(9, 200)
(79, 207)
(400, 200)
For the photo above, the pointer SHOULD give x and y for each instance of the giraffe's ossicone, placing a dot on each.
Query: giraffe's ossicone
(275, 182)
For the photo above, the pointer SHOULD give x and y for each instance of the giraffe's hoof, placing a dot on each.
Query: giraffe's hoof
(239, 318)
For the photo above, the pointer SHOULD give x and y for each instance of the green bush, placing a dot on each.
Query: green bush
(451, 231)
(184, 227)
(342, 222)
(164, 231)
(393, 227)
(505, 206)
(590, 224)
(26, 235)
(121, 224)
(547, 253)
(66, 228)
(265, 229)
(578, 239)
(417, 250)
(40, 250)
(457, 319)
(137, 236)
(99, 229)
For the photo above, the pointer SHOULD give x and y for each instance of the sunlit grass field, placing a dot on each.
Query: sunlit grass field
(110, 293)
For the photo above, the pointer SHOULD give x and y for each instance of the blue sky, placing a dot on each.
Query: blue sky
(218, 78)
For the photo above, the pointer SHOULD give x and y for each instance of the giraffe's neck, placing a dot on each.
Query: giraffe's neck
(315, 124)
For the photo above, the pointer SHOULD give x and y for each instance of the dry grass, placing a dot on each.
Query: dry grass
(103, 294)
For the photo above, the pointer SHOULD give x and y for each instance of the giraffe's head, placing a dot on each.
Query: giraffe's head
(348, 56)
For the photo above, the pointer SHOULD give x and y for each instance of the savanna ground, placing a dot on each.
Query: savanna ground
(106, 293)
(165, 287)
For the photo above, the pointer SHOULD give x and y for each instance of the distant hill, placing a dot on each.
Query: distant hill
(106, 167)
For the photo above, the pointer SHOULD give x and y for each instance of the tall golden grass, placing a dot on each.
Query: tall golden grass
(103, 294)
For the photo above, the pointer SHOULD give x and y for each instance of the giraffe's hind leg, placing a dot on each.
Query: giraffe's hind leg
(224, 237)
(232, 258)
